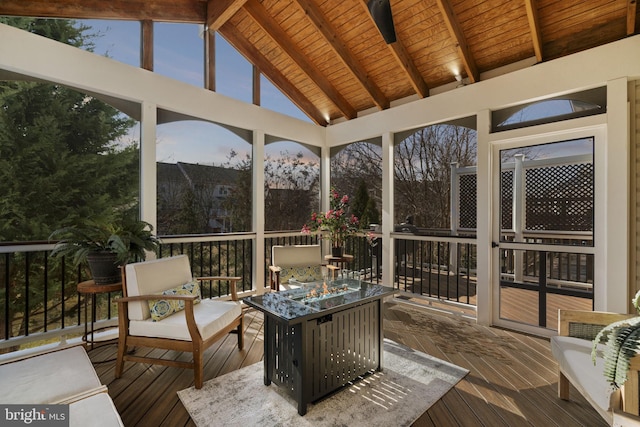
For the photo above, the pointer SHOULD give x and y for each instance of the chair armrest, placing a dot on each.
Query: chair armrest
(232, 283)
(586, 324)
(274, 268)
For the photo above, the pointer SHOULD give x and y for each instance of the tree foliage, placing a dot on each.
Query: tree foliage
(364, 206)
(62, 161)
(59, 162)
(291, 191)
(239, 204)
(357, 170)
(422, 172)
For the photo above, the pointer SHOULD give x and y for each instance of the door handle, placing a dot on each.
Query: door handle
(494, 245)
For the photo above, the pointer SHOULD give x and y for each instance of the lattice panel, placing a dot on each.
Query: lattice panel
(560, 198)
(506, 202)
(468, 201)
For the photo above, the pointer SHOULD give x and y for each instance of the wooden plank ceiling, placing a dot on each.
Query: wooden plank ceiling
(330, 59)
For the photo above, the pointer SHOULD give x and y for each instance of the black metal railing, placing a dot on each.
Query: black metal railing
(38, 294)
(40, 302)
(219, 255)
(437, 267)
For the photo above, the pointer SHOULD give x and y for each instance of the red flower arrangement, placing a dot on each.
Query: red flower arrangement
(337, 223)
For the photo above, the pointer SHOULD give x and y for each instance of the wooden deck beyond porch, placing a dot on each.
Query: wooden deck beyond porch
(512, 382)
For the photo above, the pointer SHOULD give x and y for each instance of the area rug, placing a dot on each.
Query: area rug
(409, 384)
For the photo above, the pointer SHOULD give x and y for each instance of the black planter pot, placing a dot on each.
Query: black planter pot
(337, 251)
(104, 267)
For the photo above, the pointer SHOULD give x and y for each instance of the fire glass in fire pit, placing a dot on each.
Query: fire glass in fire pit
(321, 295)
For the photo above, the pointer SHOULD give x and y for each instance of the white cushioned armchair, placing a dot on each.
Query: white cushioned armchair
(161, 308)
(300, 262)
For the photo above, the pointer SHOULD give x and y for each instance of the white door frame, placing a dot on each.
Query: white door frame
(594, 126)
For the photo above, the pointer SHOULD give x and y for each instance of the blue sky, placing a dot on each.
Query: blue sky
(178, 53)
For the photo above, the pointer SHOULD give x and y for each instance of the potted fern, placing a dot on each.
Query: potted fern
(105, 246)
(622, 340)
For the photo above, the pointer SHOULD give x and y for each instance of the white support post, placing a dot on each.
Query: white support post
(454, 214)
(258, 254)
(519, 214)
(612, 291)
(486, 255)
(325, 189)
(148, 165)
(388, 255)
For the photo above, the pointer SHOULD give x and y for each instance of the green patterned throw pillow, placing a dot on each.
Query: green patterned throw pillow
(301, 273)
(162, 308)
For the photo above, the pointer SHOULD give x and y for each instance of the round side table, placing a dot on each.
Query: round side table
(87, 288)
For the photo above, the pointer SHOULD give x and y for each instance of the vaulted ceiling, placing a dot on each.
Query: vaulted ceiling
(330, 59)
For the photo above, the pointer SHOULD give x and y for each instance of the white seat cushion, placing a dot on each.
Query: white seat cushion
(48, 378)
(95, 411)
(211, 317)
(574, 359)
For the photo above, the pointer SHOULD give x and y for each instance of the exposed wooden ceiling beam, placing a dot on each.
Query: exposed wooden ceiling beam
(254, 56)
(220, 11)
(146, 45)
(282, 39)
(534, 25)
(329, 33)
(451, 22)
(411, 71)
(188, 11)
(403, 59)
(631, 17)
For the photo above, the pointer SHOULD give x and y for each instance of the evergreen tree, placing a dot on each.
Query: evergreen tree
(60, 164)
(364, 207)
(359, 205)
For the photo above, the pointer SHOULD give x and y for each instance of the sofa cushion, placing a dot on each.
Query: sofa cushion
(211, 316)
(95, 411)
(153, 277)
(161, 308)
(574, 360)
(301, 273)
(53, 377)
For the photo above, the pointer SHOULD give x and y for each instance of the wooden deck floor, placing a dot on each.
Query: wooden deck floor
(512, 379)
